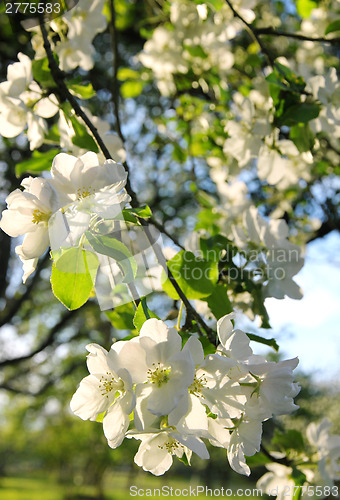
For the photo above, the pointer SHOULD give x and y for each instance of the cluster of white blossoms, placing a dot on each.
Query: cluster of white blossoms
(76, 29)
(23, 104)
(327, 90)
(170, 397)
(56, 211)
(324, 474)
(268, 251)
(196, 40)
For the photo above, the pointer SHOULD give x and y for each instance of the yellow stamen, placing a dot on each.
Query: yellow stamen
(84, 192)
(197, 385)
(109, 384)
(158, 375)
(39, 216)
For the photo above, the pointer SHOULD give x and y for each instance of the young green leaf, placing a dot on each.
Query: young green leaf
(37, 163)
(115, 249)
(122, 316)
(142, 314)
(73, 276)
(196, 277)
(82, 138)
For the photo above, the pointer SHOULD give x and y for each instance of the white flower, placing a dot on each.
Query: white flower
(78, 179)
(245, 136)
(284, 166)
(277, 482)
(245, 440)
(159, 446)
(108, 389)
(86, 187)
(111, 140)
(23, 104)
(158, 366)
(328, 446)
(234, 343)
(272, 258)
(211, 388)
(82, 23)
(275, 389)
(28, 212)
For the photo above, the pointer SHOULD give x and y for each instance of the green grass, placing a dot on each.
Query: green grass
(117, 488)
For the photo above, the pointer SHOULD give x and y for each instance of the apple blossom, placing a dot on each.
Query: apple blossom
(107, 389)
(159, 446)
(23, 103)
(156, 361)
(328, 450)
(28, 213)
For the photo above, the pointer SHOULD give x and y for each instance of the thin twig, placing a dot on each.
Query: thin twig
(15, 306)
(253, 34)
(297, 36)
(115, 96)
(45, 343)
(115, 87)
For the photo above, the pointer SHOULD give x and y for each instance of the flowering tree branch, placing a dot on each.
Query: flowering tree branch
(58, 76)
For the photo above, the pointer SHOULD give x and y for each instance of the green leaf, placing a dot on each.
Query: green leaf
(196, 277)
(42, 73)
(196, 51)
(82, 139)
(142, 314)
(334, 26)
(288, 440)
(73, 277)
(305, 7)
(115, 249)
(144, 212)
(208, 347)
(131, 88)
(300, 113)
(37, 163)
(127, 74)
(302, 136)
(122, 316)
(218, 302)
(259, 459)
(53, 135)
(82, 91)
(261, 340)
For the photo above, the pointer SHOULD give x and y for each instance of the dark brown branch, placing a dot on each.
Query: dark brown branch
(115, 87)
(6, 387)
(253, 34)
(283, 461)
(45, 343)
(115, 95)
(190, 309)
(297, 36)
(15, 306)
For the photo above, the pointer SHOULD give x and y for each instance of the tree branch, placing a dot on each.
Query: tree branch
(58, 77)
(45, 343)
(297, 36)
(6, 387)
(253, 34)
(15, 306)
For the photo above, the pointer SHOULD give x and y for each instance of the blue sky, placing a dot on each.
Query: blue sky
(310, 328)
